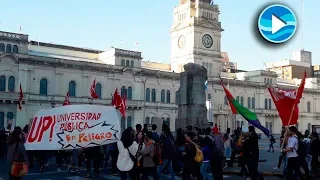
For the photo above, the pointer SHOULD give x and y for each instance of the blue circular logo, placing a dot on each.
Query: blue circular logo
(277, 23)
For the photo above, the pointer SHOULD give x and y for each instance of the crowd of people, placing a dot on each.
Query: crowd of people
(190, 153)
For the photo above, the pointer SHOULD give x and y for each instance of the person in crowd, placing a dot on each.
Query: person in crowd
(215, 128)
(3, 143)
(180, 149)
(217, 155)
(145, 129)
(140, 137)
(15, 144)
(113, 150)
(315, 152)
(272, 141)
(284, 143)
(293, 163)
(25, 132)
(74, 163)
(93, 156)
(147, 163)
(207, 154)
(251, 153)
(242, 162)
(141, 143)
(167, 152)
(234, 147)
(155, 135)
(227, 144)
(302, 154)
(138, 129)
(128, 149)
(307, 142)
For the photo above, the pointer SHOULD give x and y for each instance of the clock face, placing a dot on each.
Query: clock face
(182, 41)
(207, 41)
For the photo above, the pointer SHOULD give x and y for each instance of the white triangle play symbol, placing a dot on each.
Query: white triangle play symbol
(276, 24)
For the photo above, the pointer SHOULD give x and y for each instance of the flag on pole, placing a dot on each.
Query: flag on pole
(251, 117)
(20, 98)
(119, 103)
(123, 106)
(66, 101)
(287, 102)
(211, 3)
(93, 93)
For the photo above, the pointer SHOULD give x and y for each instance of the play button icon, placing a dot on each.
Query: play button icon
(277, 23)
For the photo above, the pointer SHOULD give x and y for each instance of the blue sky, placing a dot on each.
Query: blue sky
(100, 24)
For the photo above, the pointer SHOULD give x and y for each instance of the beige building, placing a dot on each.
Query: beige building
(48, 71)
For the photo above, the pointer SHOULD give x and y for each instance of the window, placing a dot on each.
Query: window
(152, 120)
(2, 83)
(1, 120)
(147, 120)
(167, 122)
(238, 99)
(132, 63)
(249, 102)
(163, 96)
(266, 103)
(270, 104)
(98, 90)
(265, 80)
(129, 95)
(241, 100)
(225, 100)
(253, 104)
(308, 107)
(44, 87)
(270, 127)
(11, 83)
(2, 49)
(127, 63)
(123, 91)
(168, 96)
(270, 81)
(123, 62)
(267, 125)
(15, 49)
(177, 97)
(123, 123)
(148, 95)
(9, 116)
(9, 48)
(72, 89)
(129, 121)
(153, 95)
(209, 97)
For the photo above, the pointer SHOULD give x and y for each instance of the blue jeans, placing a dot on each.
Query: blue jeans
(179, 157)
(228, 153)
(308, 159)
(163, 165)
(204, 170)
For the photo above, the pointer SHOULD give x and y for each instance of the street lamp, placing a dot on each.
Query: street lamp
(53, 104)
(90, 100)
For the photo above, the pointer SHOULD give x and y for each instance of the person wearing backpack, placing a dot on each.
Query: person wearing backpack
(272, 141)
(217, 155)
(206, 150)
(147, 162)
(302, 154)
(293, 163)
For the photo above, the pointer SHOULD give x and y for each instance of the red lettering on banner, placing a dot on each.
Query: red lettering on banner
(90, 137)
(47, 123)
(34, 135)
(39, 127)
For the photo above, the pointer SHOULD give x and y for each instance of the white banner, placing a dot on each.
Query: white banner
(73, 126)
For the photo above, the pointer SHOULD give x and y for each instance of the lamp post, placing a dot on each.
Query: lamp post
(90, 100)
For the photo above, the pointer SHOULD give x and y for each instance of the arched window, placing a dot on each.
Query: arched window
(270, 81)
(9, 48)
(123, 62)
(153, 95)
(123, 91)
(15, 49)
(1, 120)
(209, 97)
(309, 127)
(177, 97)
(148, 95)
(72, 89)
(152, 120)
(147, 120)
(241, 100)
(266, 103)
(238, 99)
(225, 100)
(11, 83)
(127, 63)
(249, 102)
(253, 104)
(2, 83)
(123, 123)
(129, 93)
(163, 96)
(270, 127)
(129, 121)
(132, 63)
(308, 107)
(267, 125)
(2, 47)
(167, 122)
(168, 96)
(44, 87)
(9, 116)
(98, 90)
(265, 80)
(270, 104)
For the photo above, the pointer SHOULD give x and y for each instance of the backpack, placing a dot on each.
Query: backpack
(199, 155)
(217, 145)
(302, 149)
(19, 167)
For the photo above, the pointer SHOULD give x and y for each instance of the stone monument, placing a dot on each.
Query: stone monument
(192, 98)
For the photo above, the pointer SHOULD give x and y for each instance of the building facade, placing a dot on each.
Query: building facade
(48, 71)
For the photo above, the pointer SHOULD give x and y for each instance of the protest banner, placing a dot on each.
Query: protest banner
(73, 126)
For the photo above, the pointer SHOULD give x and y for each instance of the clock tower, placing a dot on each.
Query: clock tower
(196, 36)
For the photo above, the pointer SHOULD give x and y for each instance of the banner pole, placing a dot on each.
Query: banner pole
(285, 134)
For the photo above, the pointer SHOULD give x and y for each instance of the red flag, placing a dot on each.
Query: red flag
(123, 106)
(230, 98)
(116, 99)
(20, 98)
(93, 93)
(66, 101)
(287, 102)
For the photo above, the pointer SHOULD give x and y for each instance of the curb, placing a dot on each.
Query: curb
(263, 173)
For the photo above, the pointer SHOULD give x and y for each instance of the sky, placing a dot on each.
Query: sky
(100, 24)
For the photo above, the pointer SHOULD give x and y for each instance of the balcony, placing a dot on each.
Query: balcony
(161, 105)
(9, 97)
